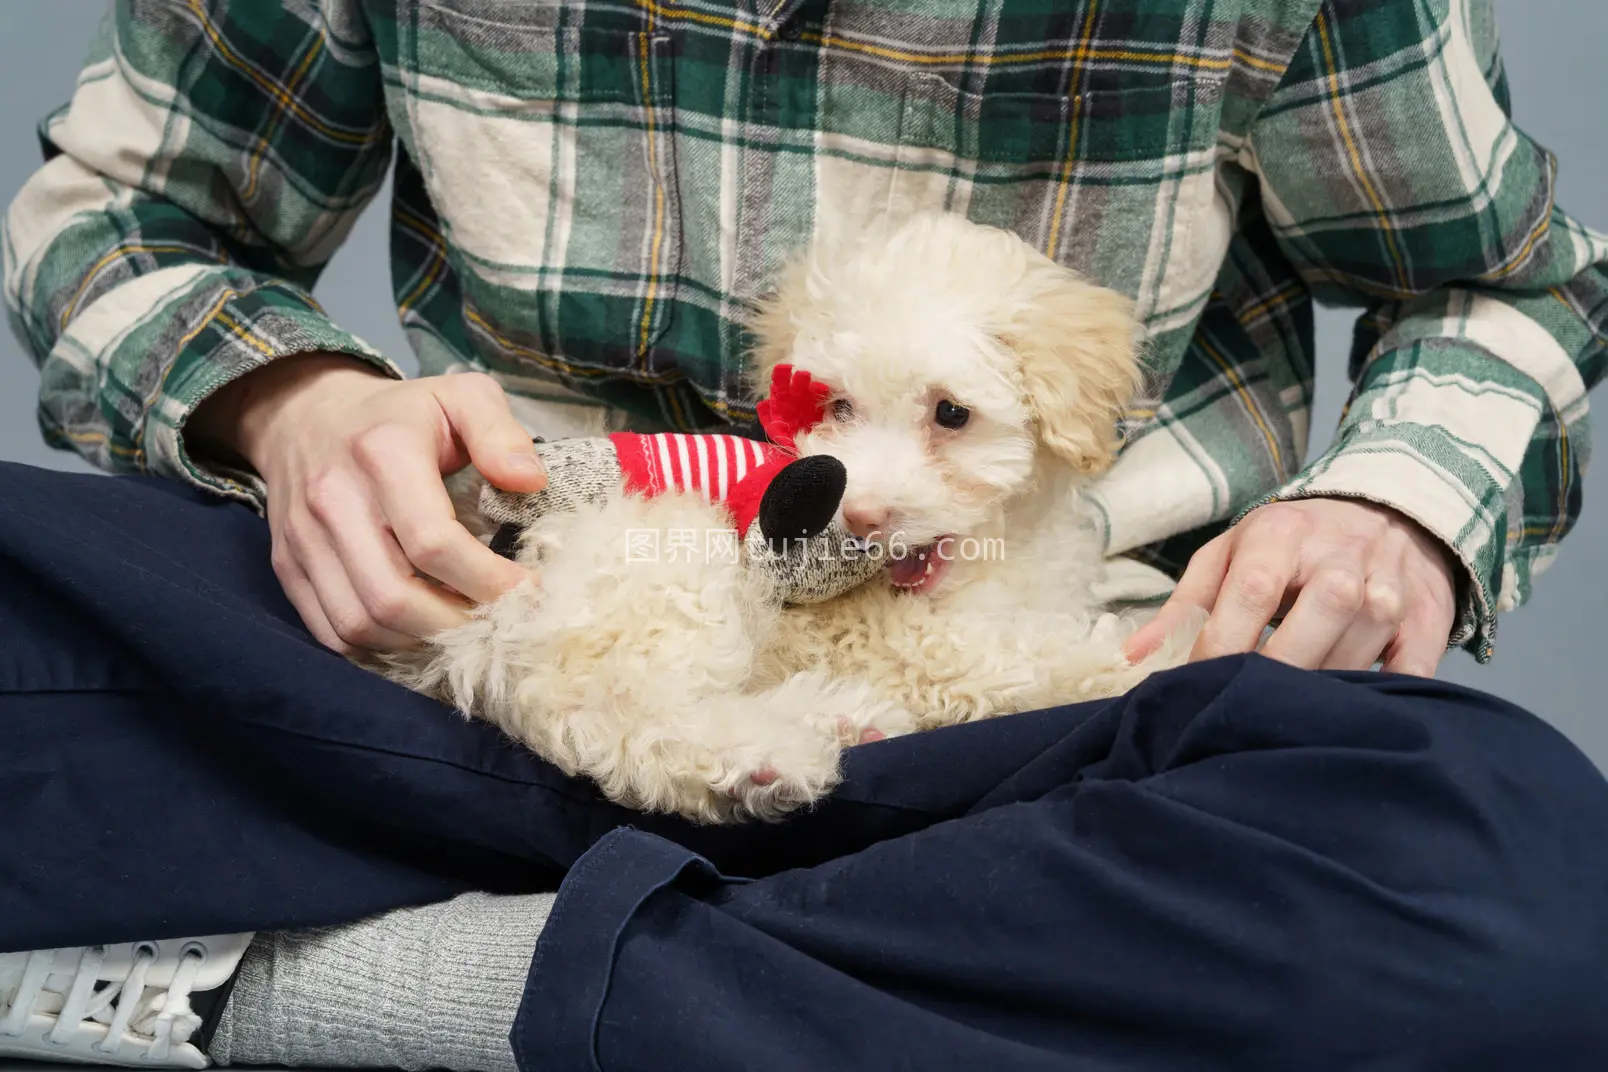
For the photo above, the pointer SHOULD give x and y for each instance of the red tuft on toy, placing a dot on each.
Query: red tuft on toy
(797, 403)
(727, 468)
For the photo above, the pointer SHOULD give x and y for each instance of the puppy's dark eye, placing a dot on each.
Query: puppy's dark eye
(949, 415)
(842, 409)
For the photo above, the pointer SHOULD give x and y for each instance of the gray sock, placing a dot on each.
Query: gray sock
(415, 989)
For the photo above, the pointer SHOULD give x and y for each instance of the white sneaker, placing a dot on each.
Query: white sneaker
(124, 1005)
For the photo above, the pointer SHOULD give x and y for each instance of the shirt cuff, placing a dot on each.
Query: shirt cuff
(1418, 472)
(242, 333)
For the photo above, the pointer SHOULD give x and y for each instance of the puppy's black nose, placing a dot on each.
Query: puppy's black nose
(802, 500)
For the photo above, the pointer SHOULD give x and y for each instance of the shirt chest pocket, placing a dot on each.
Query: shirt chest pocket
(545, 132)
(1118, 183)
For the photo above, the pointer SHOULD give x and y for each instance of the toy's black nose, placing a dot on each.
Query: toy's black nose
(802, 500)
(506, 540)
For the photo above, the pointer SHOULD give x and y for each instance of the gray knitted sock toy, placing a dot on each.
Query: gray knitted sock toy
(784, 508)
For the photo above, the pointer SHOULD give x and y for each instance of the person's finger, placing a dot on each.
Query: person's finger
(299, 590)
(1253, 590)
(1375, 626)
(1196, 592)
(1418, 648)
(379, 572)
(1324, 612)
(477, 409)
(337, 599)
(414, 501)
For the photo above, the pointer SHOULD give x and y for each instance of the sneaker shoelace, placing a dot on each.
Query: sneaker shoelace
(159, 1017)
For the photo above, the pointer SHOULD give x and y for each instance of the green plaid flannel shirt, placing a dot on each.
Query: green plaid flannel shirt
(589, 192)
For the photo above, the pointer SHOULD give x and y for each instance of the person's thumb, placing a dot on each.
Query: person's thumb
(497, 446)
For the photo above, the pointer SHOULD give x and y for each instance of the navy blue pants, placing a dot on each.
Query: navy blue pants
(1236, 866)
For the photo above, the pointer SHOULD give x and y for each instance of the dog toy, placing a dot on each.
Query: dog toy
(783, 508)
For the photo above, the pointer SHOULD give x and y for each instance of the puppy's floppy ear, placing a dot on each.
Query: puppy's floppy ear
(1079, 358)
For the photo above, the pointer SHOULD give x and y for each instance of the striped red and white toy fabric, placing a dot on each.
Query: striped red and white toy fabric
(726, 468)
(671, 461)
(723, 468)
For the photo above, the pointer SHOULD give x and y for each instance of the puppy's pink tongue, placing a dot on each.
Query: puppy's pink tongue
(907, 572)
(919, 569)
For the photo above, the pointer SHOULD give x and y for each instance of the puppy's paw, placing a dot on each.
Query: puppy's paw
(856, 714)
(874, 721)
(792, 742)
(769, 782)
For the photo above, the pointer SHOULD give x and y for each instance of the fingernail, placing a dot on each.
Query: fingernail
(524, 462)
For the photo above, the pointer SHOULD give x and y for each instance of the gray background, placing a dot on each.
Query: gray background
(1550, 655)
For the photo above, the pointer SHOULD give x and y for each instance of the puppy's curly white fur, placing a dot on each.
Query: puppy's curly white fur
(977, 385)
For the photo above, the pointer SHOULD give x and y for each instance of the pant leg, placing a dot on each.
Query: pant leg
(178, 756)
(1238, 866)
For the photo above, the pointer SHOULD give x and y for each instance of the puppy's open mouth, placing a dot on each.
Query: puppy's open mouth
(919, 569)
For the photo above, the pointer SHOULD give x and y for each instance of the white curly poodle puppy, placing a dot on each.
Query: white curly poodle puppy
(975, 386)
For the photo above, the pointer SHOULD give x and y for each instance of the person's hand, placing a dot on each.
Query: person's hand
(1357, 584)
(354, 463)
